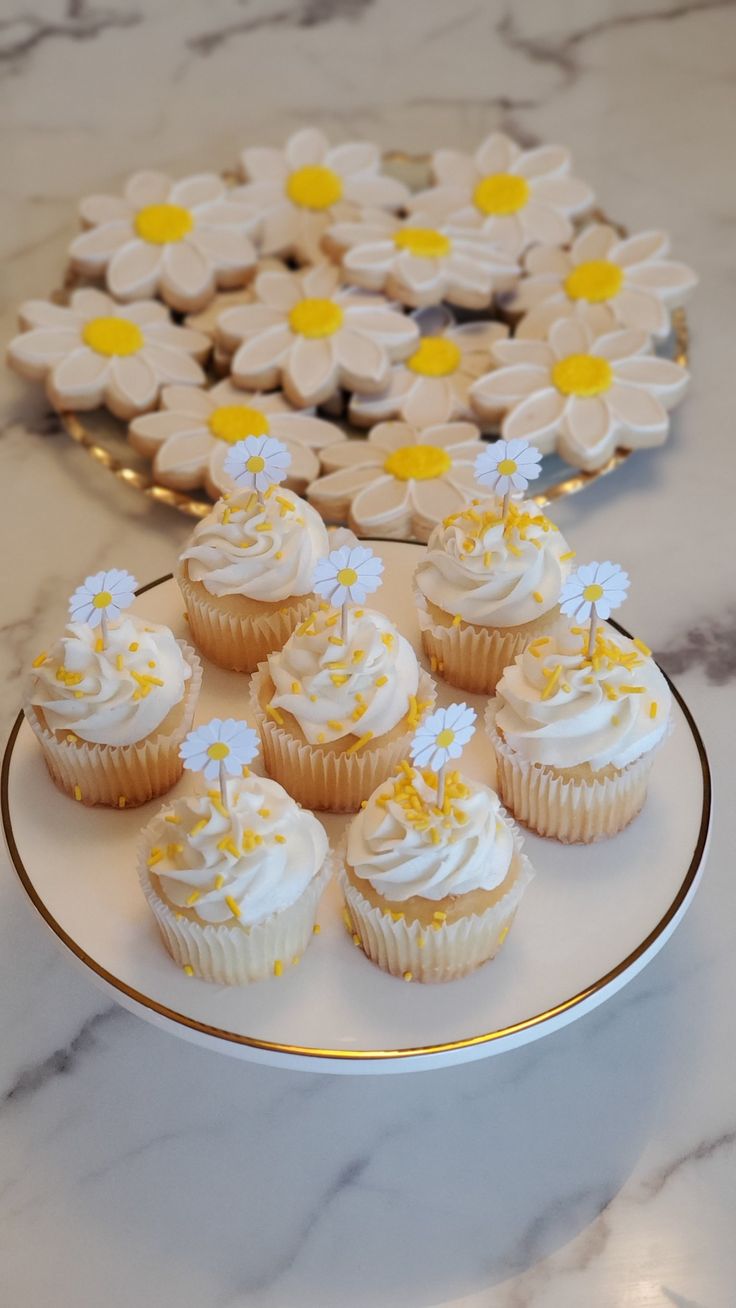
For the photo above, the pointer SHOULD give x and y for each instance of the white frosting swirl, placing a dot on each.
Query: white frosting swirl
(609, 711)
(264, 550)
(238, 864)
(116, 695)
(491, 574)
(405, 850)
(335, 689)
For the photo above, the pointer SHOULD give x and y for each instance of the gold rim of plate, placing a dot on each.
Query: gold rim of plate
(197, 506)
(369, 1055)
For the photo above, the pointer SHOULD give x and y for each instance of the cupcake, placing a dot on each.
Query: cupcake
(246, 573)
(575, 733)
(112, 700)
(233, 876)
(432, 870)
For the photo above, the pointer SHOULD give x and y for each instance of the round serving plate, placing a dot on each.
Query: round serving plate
(591, 919)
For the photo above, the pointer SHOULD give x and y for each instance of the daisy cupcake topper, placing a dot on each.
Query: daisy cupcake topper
(101, 599)
(258, 462)
(442, 736)
(219, 749)
(508, 466)
(347, 575)
(592, 592)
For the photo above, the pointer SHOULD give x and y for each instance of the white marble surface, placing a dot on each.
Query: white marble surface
(594, 1169)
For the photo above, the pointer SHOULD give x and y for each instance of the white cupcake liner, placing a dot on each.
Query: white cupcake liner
(569, 809)
(321, 778)
(235, 955)
(474, 658)
(120, 776)
(452, 950)
(238, 643)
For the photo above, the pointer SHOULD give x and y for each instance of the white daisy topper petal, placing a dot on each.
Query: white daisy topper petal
(508, 466)
(258, 462)
(593, 591)
(441, 737)
(221, 748)
(346, 576)
(102, 597)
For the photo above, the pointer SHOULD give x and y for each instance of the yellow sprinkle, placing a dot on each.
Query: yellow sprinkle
(335, 640)
(192, 899)
(421, 942)
(133, 646)
(225, 516)
(228, 846)
(408, 976)
(434, 835)
(122, 801)
(321, 738)
(632, 690)
(538, 642)
(219, 881)
(99, 644)
(280, 840)
(274, 713)
(199, 826)
(188, 969)
(39, 659)
(358, 744)
(296, 688)
(155, 856)
(615, 720)
(324, 606)
(456, 620)
(279, 554)
(653, 709)
(642, 648)
(347, 919)
(487, 559)
(244, 544)
(334, 725)
(245, 770)
(265, 526)
(264, 812)
(278, 967)
(316, 929)
(570, 555)
(553, 678)
(79, 694)
(71, 738)
(218, 805)
(358, 712)
(358, 655)
(77, 792)
(356, 940)
(397, 917)
(232, 905)
(439, 916)
(285, 504)
(538, 597)
(333, 621)
(611, 693)
(313, 699)
(512, 549)
(337, 679)
(381, 681)
(388, 639)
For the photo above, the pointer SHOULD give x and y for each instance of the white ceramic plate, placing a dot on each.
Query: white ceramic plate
(591, 919)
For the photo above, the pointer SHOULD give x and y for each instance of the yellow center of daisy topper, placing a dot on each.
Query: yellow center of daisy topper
(347, 576)
(162, 224)
(233, 422)
(314, 187)
(102, 599)
(218, 750)
(593, 592)
(594, 281)
(112, 336)
(425, 242)
(583, 375)
(315, 318)
(435, 356)
(507, 466)
(417, 462)
(445, 738)
(500, 194)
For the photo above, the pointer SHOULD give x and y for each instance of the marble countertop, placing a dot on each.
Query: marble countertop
(596, 1168)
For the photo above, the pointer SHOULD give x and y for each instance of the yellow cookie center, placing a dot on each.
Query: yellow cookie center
(102, 599)
(423, 241)
(417, 462)
(594, 281)
(501, 194)
(435, 357)
(112, 336)
(507, 466)
(582, 374)
(593, 592)
(315, 318)
(445, 738)
(314, 187)
(218, 750)
(347, 576)
(256, 463)
(160, 224)
(233, 422)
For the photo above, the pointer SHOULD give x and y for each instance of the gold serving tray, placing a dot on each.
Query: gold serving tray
(103, 437)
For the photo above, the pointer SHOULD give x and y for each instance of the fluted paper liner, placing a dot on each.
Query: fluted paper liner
(570, 809)
(235, 641)
(121, 776)
(429, 954)
(473, 658)
(235, 955)
(320, 778)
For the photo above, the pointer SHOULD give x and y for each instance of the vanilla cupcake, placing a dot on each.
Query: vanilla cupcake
(575, 736)
(431, 891)
(336, 707)
(246, 574)
(487, 586)
(111, 711)
(234, 886)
